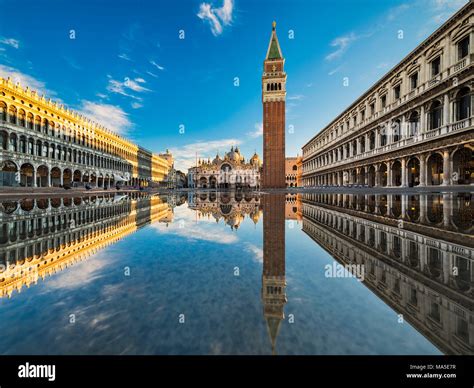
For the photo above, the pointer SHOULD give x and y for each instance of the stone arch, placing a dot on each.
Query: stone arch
(396, 168)
(413, 171)
(27, 175)
(435, 169)
(463, 166)
(371, 173)
(42, 176)
(56, 177)
(67, 177)
(12, 114)
(3, 111)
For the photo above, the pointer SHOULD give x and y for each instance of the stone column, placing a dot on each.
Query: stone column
(389, 175)
(446, 118)
(404, 172)
(422, 128)
(447, 207)
(377, 176)
(404, 199)
(34, 177)
(446, 168)
(422, 171)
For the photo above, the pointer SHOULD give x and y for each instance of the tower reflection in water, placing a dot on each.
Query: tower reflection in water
(273, 277)
(417, 250)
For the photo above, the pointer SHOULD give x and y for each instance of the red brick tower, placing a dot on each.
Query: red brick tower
(273, 99)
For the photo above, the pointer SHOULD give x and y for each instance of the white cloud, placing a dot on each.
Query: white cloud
(136, 105)
(257, 132)
(217, 17)
(256, 251)
(159, 67)
(443, 9)
(395, 12)
(295, 97)
(186, 155)
(341, 44)
(120, 87)
(152, 74)
(81, 273)
(335, 70)
(26, 80)
(186, 225)
(124, 57)
(110, 116)
(10, 42)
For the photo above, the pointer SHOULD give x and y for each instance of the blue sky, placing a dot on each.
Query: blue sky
(128, 68)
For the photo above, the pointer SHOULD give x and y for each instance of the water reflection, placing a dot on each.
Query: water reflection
(417, 250)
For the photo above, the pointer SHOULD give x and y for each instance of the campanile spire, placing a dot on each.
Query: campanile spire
(273, 100)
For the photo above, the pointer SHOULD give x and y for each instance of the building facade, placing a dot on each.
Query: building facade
(230, 172)
(44, 144)
(414, 127)
(273, 100)
(293, 171)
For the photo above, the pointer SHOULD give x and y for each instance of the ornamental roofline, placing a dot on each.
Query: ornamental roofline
(398, 67)
(62, 109)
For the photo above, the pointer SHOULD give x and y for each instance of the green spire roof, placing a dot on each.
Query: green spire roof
(274, 51)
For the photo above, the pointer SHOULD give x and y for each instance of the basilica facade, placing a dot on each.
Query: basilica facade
(229, 172)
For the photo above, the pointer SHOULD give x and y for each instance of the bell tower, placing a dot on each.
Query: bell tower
(273, 100)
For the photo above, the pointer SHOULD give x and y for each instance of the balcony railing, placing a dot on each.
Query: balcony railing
(405, 142)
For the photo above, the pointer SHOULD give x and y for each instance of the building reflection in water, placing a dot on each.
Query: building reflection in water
(417, 252)
(39, 237)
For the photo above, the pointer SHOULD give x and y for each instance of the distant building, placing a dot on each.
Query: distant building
(230, 172)
(293, 171)
(176, 179)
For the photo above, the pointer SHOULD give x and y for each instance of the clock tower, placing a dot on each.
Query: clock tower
(273, 100)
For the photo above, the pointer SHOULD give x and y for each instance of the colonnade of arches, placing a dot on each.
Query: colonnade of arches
(454, 166)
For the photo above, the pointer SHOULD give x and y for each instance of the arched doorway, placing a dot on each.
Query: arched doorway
(26, 175)
(42, 176)
(213, 182)
(203, 182)
(55, 177)
(396, 173)
(413, 167)
(435, 170)
(8, 173)
(371, 176)
(463, 166)
(93, 180)
(77, 177)
(67, 177)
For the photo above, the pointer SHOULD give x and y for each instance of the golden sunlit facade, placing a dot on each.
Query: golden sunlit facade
(45, 144)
